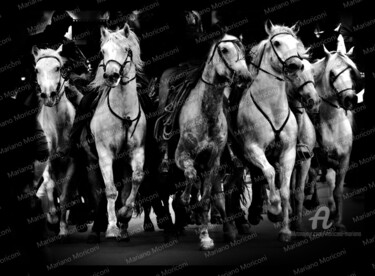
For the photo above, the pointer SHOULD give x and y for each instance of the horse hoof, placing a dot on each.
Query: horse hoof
(285, 237)
(112, 232)
(339, 227)
(82, 229)
(93, 238)
(244, 229)
(274, 218)
(123, 237)
(207, 245)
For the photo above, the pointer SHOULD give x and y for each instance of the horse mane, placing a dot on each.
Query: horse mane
(332, 61)
(256, 51)
(131, 42)
(49, 52)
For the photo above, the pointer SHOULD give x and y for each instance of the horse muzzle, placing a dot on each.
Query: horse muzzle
(350, 101)
(112, 80)
(50, 100)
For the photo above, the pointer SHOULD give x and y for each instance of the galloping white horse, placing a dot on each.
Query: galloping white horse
(336, 78)
(267, 128)
(56, 118)
(119, 125)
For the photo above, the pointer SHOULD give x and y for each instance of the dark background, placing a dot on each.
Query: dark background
(15, 22)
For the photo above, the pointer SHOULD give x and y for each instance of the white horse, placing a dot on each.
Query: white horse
(119, 126)
(267, 128)
(336, 78)
(56, 118)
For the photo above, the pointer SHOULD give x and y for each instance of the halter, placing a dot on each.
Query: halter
(235, 42)
(277, 132)
(60, 90)
(127, 121)
(284, 63)
(122, 66)
(332, 84)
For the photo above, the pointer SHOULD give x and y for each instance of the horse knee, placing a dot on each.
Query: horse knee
(111, 193)
(269, 173)
(138, 176)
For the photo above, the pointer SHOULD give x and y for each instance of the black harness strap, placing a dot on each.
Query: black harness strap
(126, 121)
(276, 131)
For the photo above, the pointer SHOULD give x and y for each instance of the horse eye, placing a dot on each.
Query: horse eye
(36, 71)
(57, 69)
(224, 50)
(276, 43)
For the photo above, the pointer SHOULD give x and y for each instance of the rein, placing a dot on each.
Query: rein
(284, 64)
(126, 121)
(332, 84)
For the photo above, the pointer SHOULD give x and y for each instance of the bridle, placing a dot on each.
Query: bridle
(284, 63)
(237, 43)
(338, 93)
(60, 87)
(122, 66)
(127, 121)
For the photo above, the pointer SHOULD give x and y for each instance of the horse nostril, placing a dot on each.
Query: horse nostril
(115, 76)
(310, 102)
(53, 94)
(43, 95)
(105, 76)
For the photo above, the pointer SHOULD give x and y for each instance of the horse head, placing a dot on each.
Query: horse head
(120, 51)
(288, 56)
(48, 64)
(339, 77)
(227, 56)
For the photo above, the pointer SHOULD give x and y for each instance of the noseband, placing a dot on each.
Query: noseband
(60, 91)
(284, 63)
(122, 66)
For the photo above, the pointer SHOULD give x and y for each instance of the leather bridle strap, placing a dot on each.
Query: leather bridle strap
(60, 91)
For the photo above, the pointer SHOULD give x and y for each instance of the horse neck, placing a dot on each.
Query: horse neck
(124, 99)
(275, 96)
(212, 98)
(327, 112)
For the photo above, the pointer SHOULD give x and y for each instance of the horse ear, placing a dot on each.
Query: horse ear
(126, 30)
(60, 49)
(295, 28)
(103, 32)
(337, 29)
(268, 27)
(350, 52)
(341, 44)
(34, 50)
(326, 51)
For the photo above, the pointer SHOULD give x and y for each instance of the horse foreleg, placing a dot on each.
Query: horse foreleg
(106, 167)
(302, 171)
(256, 156)
(331, 179)
(338, 193)
(206, 243)
(65, 196)
(219, 201)
(186, 163)
(287, 160)
(125, 213)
